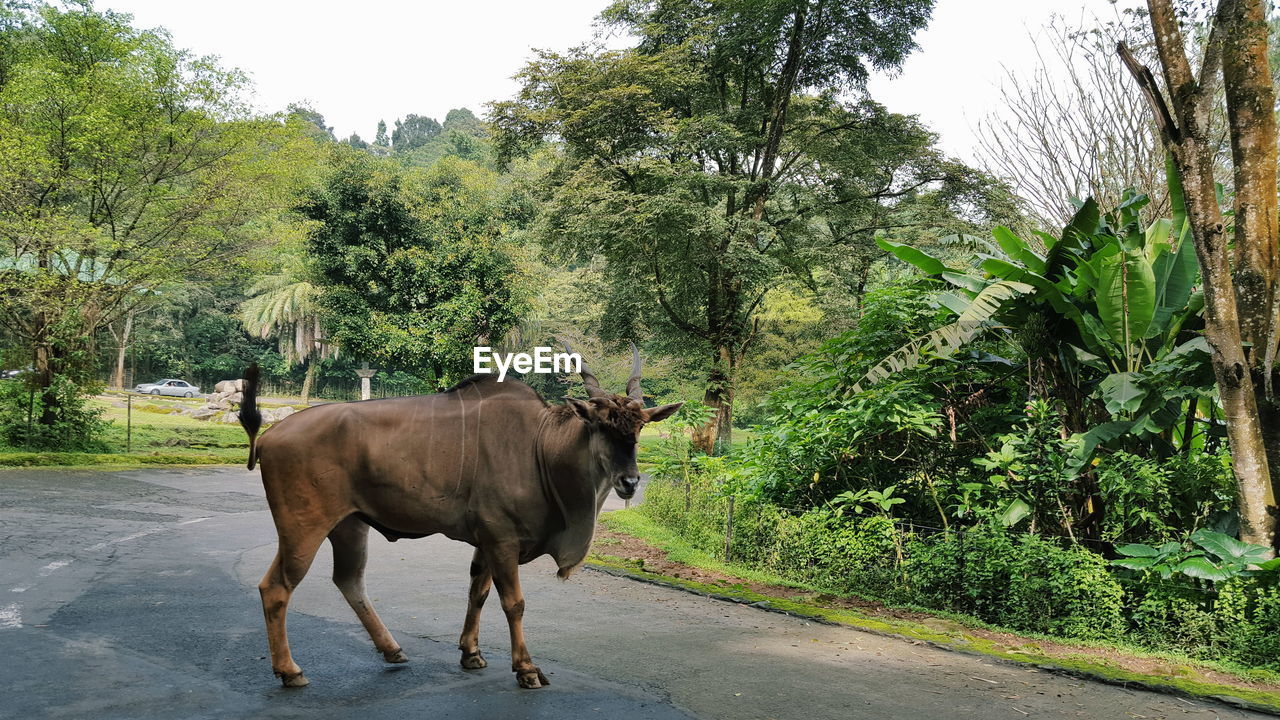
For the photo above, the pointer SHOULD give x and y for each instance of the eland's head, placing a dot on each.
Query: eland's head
(614, 422)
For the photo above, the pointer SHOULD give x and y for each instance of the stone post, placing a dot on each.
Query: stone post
(366, 387)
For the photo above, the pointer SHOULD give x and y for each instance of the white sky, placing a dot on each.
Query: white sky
(359, 62)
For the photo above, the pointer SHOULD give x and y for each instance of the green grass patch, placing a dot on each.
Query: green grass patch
(161, 435)
(955, 633)
(631, 522)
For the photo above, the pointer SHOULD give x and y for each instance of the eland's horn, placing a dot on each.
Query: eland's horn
(633, 383)
(588, 380)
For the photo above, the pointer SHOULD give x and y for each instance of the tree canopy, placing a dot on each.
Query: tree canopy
(416, 266)
(125, 164)
(722, 155)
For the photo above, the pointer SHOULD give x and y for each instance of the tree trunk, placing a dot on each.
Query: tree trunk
(47, 367)
(307, 381)
(716, 437)
(1233, 312)
(122, 346)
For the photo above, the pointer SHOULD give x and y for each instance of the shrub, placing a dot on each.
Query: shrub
(77, 426)
(1148, 500)
(1170, 615)
(1021, 581)
(1248, 613)
(695, 509)
(837, 553)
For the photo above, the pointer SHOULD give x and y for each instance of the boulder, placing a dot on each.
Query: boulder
(205, 413)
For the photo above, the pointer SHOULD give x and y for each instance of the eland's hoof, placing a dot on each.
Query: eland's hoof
(297, 680)
(532, 679)
(395, 656)
(474, 661)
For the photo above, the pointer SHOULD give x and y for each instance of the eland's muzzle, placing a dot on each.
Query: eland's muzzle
(626, 487)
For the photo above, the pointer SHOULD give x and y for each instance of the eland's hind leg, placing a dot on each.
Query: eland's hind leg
(469, 643)
(350, 541)
(293, 559)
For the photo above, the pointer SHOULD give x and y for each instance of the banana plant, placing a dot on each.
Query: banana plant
(1119, 298)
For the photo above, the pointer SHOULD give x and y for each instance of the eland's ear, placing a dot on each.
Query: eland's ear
(581, 407)
(662, 412)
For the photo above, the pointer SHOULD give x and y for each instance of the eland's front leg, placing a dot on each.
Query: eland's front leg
(503, 564)
(469, 643)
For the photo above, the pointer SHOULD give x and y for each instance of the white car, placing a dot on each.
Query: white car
(177, 388)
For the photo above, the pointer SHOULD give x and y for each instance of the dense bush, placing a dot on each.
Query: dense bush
(1019, 580)
(1248, 612)
(822, 437)
(1151, 500)
(77, 427)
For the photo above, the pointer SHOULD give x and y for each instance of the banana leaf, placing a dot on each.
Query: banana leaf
(1126, 296)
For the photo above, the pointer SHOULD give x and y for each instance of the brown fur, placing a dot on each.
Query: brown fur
(486, 463)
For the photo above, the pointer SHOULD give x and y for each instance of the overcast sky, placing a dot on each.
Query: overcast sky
(356, 62)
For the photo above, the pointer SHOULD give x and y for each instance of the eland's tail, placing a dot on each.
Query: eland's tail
(250, 418)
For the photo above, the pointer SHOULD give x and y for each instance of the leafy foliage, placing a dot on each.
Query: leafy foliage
(77, 426)
(1023, 581)
(416, 267)
(125, 165)
(716, 159)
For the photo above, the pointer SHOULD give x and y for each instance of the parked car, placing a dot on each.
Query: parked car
(12, 374)
(168, 386)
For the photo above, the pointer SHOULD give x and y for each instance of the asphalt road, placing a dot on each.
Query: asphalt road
(133, 595)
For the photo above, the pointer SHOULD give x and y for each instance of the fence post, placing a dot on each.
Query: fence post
(728, 530)
(128, 423)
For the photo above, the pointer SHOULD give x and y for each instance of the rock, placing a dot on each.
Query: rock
(231, 416)
(228, 387)
(205, 413)
(176, 442)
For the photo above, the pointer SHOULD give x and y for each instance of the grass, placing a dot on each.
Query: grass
(164, 436)
(651, 442)
(1187, 677)
(160, 436)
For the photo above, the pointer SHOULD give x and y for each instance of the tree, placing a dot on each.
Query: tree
(311, 120)
(1239, 258)
(124, 164)
(413, 132)
(357, 142)
(464, 121)
(690, 161)
(415, 266)
(380, 139)
(1072, 127)
(287, 307)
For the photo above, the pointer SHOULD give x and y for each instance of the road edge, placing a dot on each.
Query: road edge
(1256, 701)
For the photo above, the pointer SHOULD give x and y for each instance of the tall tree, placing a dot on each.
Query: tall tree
(124, 164)
(311, 120)
(689, 160)
(286, 307)
(464, 121)
(1071, 126)
(415, 266)
(380, 139)
(1240, 268)
(413, 132)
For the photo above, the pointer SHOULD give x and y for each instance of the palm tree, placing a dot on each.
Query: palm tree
(283, 306)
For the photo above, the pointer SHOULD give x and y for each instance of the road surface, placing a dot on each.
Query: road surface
(132, 594)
